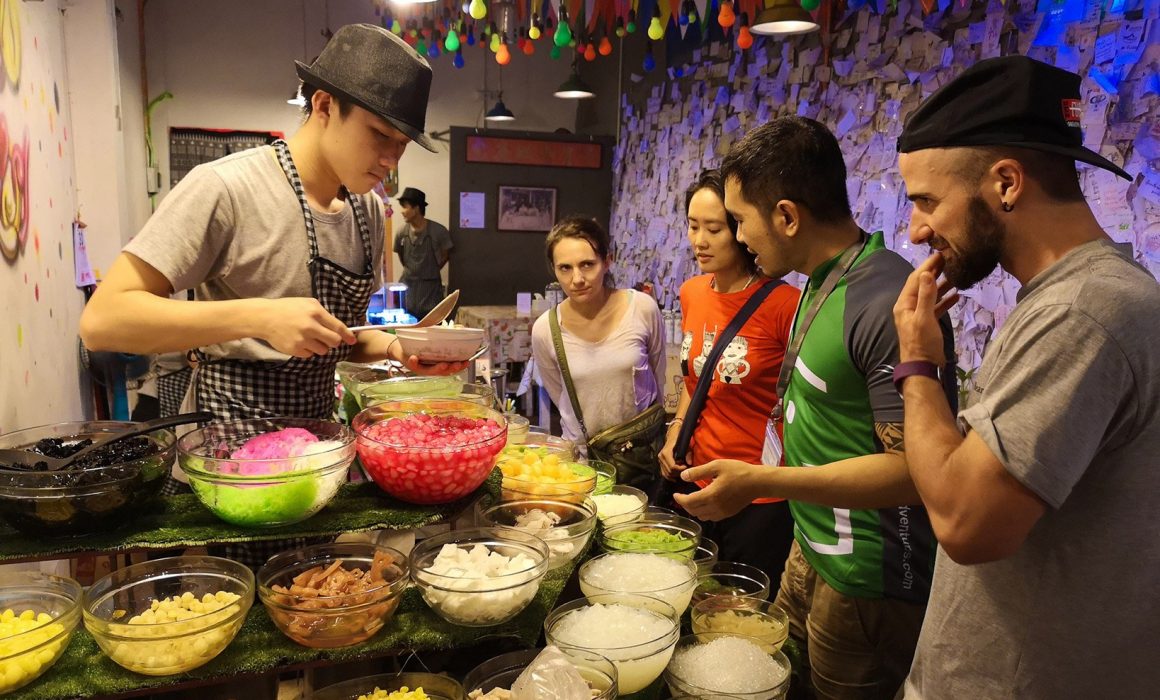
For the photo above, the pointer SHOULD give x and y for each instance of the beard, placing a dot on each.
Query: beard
(980, 249)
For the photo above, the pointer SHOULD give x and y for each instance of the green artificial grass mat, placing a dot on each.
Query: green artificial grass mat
(182, 521)
(84, 670)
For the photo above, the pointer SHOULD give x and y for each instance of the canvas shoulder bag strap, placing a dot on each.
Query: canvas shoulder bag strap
(562, 359)
(701, 391)
(798, 334)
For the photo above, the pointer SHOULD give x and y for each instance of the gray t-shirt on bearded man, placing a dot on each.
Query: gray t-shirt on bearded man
(1068, 399)
(233, 229)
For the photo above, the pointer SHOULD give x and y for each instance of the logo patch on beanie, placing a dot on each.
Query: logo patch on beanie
(1072, 111)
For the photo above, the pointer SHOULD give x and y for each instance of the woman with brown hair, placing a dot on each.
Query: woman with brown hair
(613, 339)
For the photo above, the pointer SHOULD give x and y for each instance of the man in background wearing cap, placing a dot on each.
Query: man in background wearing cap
(1044, 504)
(424, 248)
(282, 244)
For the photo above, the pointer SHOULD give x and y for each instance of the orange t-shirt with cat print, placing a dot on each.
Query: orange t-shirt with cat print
(744, 389)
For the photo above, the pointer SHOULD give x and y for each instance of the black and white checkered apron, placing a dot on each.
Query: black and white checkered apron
(297, 387)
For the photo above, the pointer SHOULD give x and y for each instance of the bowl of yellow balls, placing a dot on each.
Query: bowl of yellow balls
(395, 686)
(171, 615)
(38, 613)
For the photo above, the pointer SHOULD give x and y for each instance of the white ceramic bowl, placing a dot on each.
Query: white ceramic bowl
(438, 344)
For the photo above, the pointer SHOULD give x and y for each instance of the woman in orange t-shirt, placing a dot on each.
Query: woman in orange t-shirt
(733, 420)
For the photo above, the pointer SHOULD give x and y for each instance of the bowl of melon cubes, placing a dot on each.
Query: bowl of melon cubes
(170, 615)
(545, 470)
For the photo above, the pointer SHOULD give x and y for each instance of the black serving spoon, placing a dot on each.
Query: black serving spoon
(24, 460)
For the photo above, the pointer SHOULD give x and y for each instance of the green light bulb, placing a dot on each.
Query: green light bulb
(452, 41)
(563, 34)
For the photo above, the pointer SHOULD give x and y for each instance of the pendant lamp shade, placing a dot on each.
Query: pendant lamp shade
(782, 18)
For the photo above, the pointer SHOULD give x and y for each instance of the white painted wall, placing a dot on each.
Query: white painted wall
(40, 380)
(230, 65)
(94, 90)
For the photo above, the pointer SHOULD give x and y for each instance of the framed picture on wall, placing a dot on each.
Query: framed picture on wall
(526, 208)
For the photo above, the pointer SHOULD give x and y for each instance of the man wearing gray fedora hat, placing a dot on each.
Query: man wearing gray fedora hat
(282, 244)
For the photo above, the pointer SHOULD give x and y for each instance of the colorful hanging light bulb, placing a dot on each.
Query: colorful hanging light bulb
(726, 17)
(421, 47)
(471, 36)
(534, 33)
(649, 61)
(494, 46)
(477, 9)
(555, 52)
(605, 47)
(458, 61)
(810, 5)
(589, 52)
(630, 27)
(620, 31)
(503, 56)
(451, 43)
(655, 30)
(683, 17)
(433, 50)
(529, 47)
(396, 27)
(744, 39)
(563, 34)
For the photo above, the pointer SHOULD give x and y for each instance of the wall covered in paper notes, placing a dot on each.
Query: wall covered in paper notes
(881, 65)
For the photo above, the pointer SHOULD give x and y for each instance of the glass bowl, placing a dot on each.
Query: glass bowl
(518, 427)
(705, 556)
(532, 477)
(38, 614)
(372, 391)
(502, 671)
(640, 574)
(333, 611)
(285, 469)
(464, 597)
(605, 475)
(654, 532)
(622, 504)
(435, 687)
(126, 612)
(773, 686)
(731, 578)
(541, 444)
(566, 539)
(429, 451)
(88, 500)
(762, 620)
(635, 635)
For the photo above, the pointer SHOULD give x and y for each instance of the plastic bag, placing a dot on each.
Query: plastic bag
(551, 676)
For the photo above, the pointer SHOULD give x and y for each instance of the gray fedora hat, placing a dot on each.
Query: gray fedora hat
(378, 71)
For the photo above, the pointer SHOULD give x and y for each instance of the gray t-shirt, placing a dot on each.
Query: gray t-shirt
(1068, 399)
(419, 252)
(233, 229)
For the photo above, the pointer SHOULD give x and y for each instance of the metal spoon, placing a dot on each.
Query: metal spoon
(24, 460)
(433, 318)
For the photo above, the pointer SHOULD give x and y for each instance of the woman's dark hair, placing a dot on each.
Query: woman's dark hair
(711, 180)
(584, 229)
(307, 91)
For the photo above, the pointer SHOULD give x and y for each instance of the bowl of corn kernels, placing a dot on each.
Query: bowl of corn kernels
(170, 615)
(395, 686)
(38, 613)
